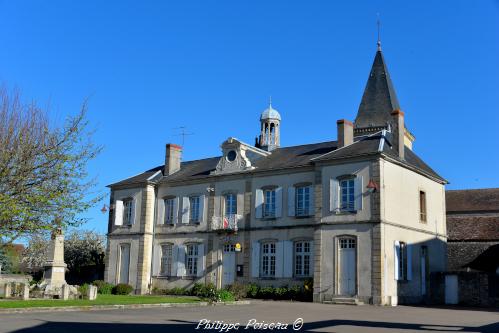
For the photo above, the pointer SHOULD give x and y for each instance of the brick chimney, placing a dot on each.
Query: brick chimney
(398, 132)
(172, 158)
(345, 132)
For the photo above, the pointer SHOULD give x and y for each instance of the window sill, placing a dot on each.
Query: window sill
(303, 216)
(125, 226)
(268, 218)
(346, 212)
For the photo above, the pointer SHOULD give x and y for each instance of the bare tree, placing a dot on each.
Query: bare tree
(43, 172)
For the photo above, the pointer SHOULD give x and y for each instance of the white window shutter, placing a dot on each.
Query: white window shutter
(278, 202)
(161, 211)
(175, 210)
(334, 199)
(185, 209)
(181, 260)
(288, 259)
(118, 212)
(396, 259)
(311, 204)
(259, 203)
(279, 259)
(174, 259)
(255, 259)
(201, 260)
(409, 261)
(291, 201)
(156, 264)
(358, 184)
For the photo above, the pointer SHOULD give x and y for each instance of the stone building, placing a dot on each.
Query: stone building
(362, 215)
(473, 229)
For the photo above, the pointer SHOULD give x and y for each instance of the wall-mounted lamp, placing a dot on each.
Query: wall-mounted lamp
(105, 208)
(210, 189)
(372, 186)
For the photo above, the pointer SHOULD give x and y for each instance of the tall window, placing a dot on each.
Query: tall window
(191, 260)
(194, 209)
(403, 261)
(127, 212)
(302, 201)
(268, 260)
(347, 194)
(166, 259)
(230, 204)
(422, 206)
(269, 203)
(302, 258)
(169, 207)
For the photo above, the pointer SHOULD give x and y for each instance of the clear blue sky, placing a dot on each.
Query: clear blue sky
(151, 66)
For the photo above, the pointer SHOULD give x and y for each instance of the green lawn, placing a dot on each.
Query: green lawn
(101, 300)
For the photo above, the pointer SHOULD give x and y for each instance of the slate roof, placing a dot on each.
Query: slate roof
(379, 98)
(475, 200)
(289, 157)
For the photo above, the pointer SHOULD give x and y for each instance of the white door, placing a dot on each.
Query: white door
(124, 263)
(347, 267)
(451, 296)
(228, 265)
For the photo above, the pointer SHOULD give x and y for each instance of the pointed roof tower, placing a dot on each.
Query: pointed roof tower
(379, 98)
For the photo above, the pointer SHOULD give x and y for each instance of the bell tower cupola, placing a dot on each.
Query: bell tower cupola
(270, 129)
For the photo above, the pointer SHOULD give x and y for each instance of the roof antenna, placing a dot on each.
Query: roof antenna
(379, 32)
(183, 133)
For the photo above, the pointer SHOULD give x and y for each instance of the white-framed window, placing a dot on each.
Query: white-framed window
(194, 215)
(269, 203)
(303, 257)
(191, 259)
(402, 263)
(302, 201)
(268, 259)
(166, 259)
(128, 211)
(169, 210)
(422, 206)
(347, 194)
(230, 204)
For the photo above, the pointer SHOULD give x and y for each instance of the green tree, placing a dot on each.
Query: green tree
(81, 248)
(43, 169)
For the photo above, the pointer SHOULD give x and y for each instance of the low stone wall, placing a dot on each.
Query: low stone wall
(473, 288)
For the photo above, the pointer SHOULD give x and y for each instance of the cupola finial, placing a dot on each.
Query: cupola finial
(270, 101)
(379, 33)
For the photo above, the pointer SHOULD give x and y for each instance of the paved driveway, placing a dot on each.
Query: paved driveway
(316, 317)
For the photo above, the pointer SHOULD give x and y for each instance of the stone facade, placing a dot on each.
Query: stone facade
(348, 217)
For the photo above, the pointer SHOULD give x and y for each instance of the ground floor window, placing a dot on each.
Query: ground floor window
(191, 259)
(302, 258)
(166, 259)
(268, 259)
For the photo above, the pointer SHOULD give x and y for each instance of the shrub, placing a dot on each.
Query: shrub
(239, 290)
(122, 289)
(266, 292)
(103, 287)
(198, 289)
(83, 290)
(225, 296)
(252, 290)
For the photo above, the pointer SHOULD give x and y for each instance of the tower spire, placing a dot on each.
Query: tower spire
(379, 32)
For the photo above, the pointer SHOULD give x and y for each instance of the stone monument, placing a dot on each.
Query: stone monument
(54, 280)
